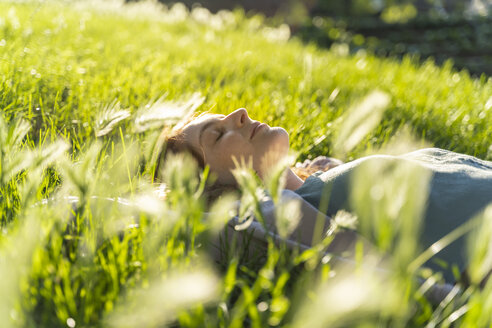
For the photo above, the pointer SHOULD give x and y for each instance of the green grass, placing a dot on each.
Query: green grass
(464, 41)
(71, 70)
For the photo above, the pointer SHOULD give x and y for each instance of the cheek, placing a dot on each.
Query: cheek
(221, 162)
(235, 145)
(231, 146)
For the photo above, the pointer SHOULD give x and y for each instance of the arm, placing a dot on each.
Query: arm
(343, 245)
(312, 227)
(310, 230)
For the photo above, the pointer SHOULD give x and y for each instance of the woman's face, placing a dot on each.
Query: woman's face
(220, 138)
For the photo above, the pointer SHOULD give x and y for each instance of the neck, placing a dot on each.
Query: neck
(293, 181)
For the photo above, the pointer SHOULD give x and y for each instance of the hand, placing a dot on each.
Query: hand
(320, 163)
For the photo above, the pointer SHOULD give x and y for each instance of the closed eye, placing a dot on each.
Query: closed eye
(221, 133)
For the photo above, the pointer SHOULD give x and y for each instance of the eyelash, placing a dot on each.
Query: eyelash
(221, 133)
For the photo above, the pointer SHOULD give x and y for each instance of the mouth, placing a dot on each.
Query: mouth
(255, 125)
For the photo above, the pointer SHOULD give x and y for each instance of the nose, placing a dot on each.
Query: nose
(238, 117)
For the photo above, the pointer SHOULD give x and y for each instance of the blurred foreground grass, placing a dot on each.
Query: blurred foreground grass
(84, 89)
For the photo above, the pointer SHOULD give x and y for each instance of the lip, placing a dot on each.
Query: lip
(256, 126)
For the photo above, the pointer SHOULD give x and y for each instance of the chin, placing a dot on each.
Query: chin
(281, 139)
(277, 148)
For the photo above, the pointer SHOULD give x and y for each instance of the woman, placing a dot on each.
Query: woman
(460, 185)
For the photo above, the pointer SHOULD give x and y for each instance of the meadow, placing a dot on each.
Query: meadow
(86, 88)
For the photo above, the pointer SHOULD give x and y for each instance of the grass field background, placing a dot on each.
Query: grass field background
(83, 89)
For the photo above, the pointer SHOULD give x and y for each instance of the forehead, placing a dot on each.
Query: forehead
(203, 119)
(200, 121)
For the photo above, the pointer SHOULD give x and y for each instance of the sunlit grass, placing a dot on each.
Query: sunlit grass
(84, 92)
